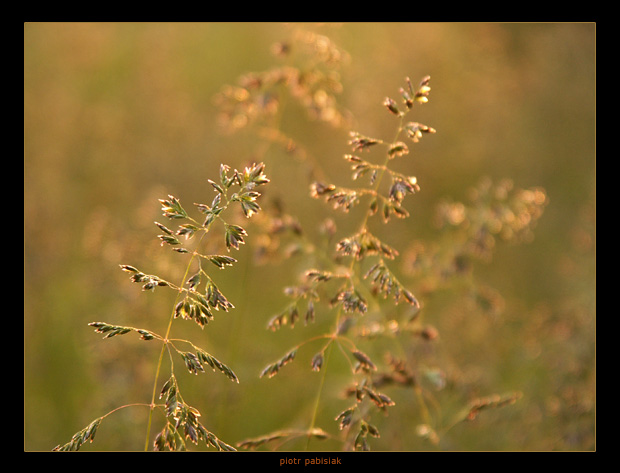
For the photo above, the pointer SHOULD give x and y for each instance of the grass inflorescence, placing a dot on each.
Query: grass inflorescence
(358, 276)
(198, 298)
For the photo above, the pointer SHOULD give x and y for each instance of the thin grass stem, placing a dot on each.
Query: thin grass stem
(163, 348)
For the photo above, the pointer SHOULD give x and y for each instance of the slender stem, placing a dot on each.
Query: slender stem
(125, 406)
(420, 396)
(163, 348)
(318, 396)
(362, 227)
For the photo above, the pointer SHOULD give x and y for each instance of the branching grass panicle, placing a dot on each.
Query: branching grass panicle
(198, 299)
(359, 271)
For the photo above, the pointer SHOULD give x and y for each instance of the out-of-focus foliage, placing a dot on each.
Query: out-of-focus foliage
(119, 115)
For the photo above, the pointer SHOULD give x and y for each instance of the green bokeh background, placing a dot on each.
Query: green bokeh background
(118, 115)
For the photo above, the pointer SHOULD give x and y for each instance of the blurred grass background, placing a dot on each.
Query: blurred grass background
(118, 115)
